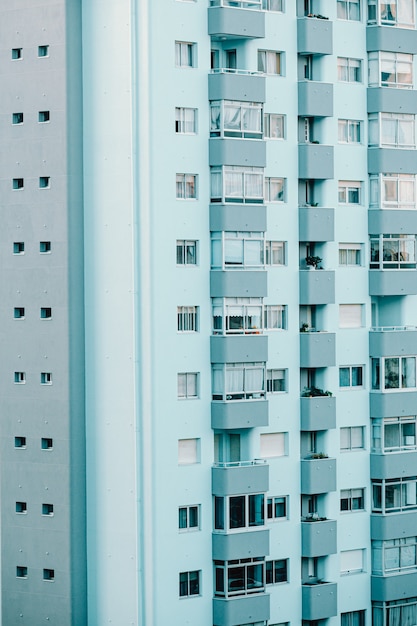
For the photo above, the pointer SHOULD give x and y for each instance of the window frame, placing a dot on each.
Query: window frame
(188, 319)
(192, 514)
(348, 10)
(239, 512)
(272, 573)
(378, 434)
(351, 130)
(375, 15)
(383, 195)
(350, 447)
(399, 545)
(226, 313)
(272, 502)
(349, 70)
(276, 376)
(280, 313)
(238, 250)
(275, 126)
(223, 393)
(360, 376)
(186, 186)
(352, 497)
(350, 251)
(382, 488)
(275, 189)
(245, 122)
(380, 60)
(275, 253)
(384, 125)
(348, 190)
(187, 252)
(249, 573)
(381, 375)
(185, 54)
(269, 60)
(182, 125)
(237, 184)
(189, 376)
(353, 618)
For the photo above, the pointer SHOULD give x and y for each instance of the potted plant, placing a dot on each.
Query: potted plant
(314, 392)
(313, 261)
(304, 328)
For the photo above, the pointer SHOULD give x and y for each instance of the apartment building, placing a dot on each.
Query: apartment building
(209, 312)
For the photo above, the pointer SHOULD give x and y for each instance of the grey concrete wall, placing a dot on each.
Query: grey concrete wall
(395, 587)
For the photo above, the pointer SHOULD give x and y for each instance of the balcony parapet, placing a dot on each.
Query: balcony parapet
(319, 600)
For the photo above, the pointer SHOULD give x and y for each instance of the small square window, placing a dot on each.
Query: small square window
(46, 313)
(188, 517)
(19, 313)
(185, 120)
(276, 381)
(20, 442)
(273, 445)
(44, 247)
(352, 438)
(44, 182)
(19, 378)
(21, 507)
(185, 54)
(277, 508)
(47, 509)
(21, 571)
(270, 62)
(18, 183)
(276, 571)
(186, 252)
(49, 574)
(46, 378)
(188, 451)
(17, 118)
(47, 443)
(44, 116)
(43, 51)
(186, 186)
(16, 53)
(18, 247)
(351, 376)
(189, 584)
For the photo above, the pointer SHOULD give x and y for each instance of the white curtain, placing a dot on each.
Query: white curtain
(234, 380)
(254, 379)
(253, 185)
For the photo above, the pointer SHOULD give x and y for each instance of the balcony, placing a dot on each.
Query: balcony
(319, 600)
(390, 160)
(243, 152)
(315, 161)
(318, 413)
(393, 526)
(243, 217)
(317, 349)
(316, 224)
(393, 403)
(393, 465)
(392, 221)
(238, 284)
(317, 287)
(393, 341)
(315, 99)
(314, 36)
(318, 475)
(239, 414)
(235, 19)
(387, 588)
(241, 85)
(240, 478)
(391, 39)
(239, 349)
(242, 610)
(242, 545)
(397, 282)
(394, 100)
(318, 537)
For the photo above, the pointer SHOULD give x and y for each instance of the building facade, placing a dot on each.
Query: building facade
(209, 286)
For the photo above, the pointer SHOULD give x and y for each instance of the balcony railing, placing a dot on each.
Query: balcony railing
(230, 70)
(392, 328)
(240, 463)
(238, 4)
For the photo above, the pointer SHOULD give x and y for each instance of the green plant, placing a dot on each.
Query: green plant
(313, 392)
(314, 261)
(304, 328)
(318, 455)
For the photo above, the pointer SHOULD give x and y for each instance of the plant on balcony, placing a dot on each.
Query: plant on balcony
(304, 327)
(315, 141)
(314, 261)
(314, 392)
(318, 16)
(314, 517)
(318, 455)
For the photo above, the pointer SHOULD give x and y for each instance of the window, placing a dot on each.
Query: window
(44, 182)
(349, 70)
(47, 509)
(233, 183)
(239, 577)
(47, 443)
(353, 618)
(394, 434)
(392, 191)
(277, 508)
(273, 5)
(21, 571)
(20, 442)
(274, 189)
(272, 445)
(19, 378)
(394, 373)
(46, 313)
(349, 131)
(394, 495)
(350, 254)
(349, 192)
(16, 53)
(392, 130)
(276, 572)
(275, 317)
(186, 186)
(238, 381)
(390, 69)
(21, 507)
(46, 378)
(348, 10)
(233, 316)
(17, 118)
(394, 555)
(352, 438)
(49, 574)
(350, 315)
(351, 376)
(270, 62)
(187, 385)
(394, 612)
(19, 313)
(188, 517)
(188, 451)
(237, 250)
(186, 252)
(275, 252)
(351, 561)
(237, 512)
(393, 251)
(352, 500)
(236, 119)
(185, 54)
(274, 126)
(185, 121)
(43, 51)
(17, 183)
(189, 584)
(187, 319)
(18, 247)
(276, 381)
(391, 13)
(44, 116)
(44, 247)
